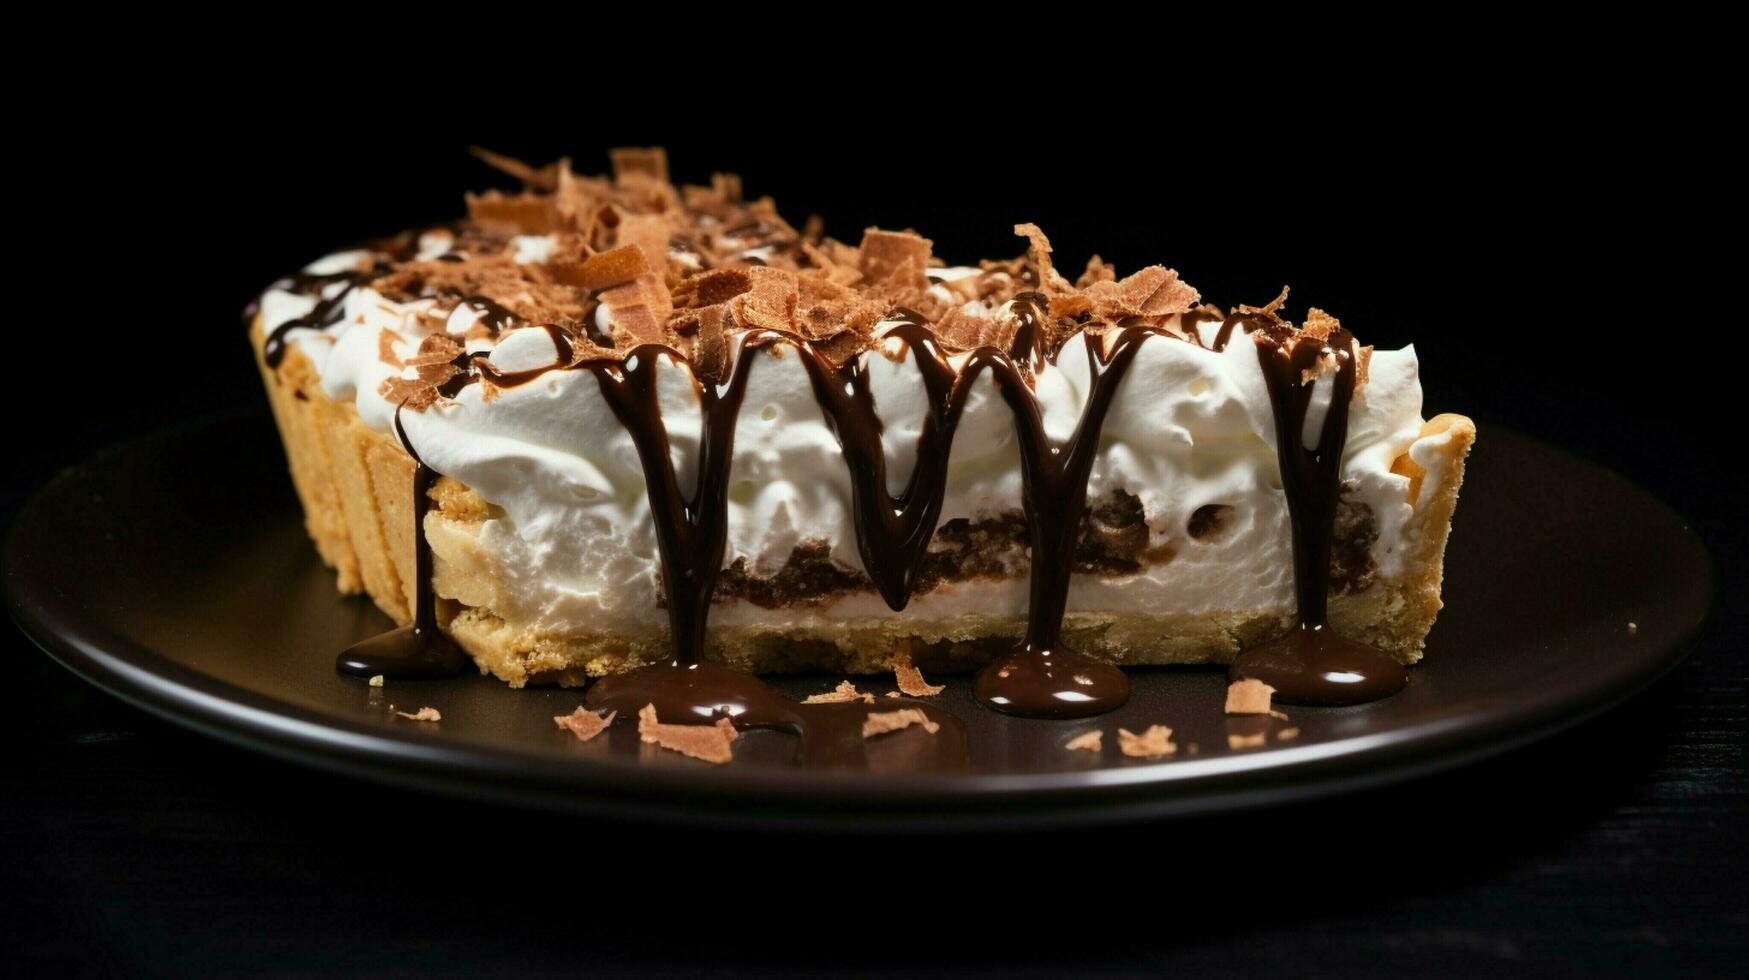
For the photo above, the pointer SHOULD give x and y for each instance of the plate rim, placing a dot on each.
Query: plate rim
(211, 706)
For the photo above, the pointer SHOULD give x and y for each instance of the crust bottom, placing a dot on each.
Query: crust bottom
(356, 486)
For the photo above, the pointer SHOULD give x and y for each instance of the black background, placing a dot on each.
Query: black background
(1534, 247)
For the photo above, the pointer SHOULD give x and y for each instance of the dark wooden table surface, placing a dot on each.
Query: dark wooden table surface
(128, 844)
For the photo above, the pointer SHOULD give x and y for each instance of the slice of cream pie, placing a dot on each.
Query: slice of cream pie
(604, 423)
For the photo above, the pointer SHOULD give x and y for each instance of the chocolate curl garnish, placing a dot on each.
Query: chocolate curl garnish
(1241, 740)
(650, 233)
(961, 330)
(504, 215)
(637, 300)
(641, 175)
(633, 164)
(1153, 292)
(883, 722)
(434, 350)
(530, 292)
(837, 320)
(638, 311)
(1071, 306)
(964, 331)
(771, 300)
(432, 364)
(844, 693)
(1093, 741)
(910, 679)
(1038, 255)
(1272, 309)
(603, 269)
(539, 178)
(717, 200)
(714, 287)
(836, 261)
(825, 308)
(711, 359)
(601, 227)
(578, 199)
(584, 724)
(1321, 325)
(1097, 271)
(1249, 697)
(841, 347)
(843, 254)
(1156, 741)
(709, 743)
(895, 259)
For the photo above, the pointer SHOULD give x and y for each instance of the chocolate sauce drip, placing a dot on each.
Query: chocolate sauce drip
(1041, 678)
(327, 311)
(830, 733)
(467, 366)
(691, 529)
(1190, 323)
(1311, 665)
(1030, 338)
(418, 649)
(892, 533)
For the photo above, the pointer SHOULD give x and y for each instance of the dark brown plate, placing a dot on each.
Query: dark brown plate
(175, 574)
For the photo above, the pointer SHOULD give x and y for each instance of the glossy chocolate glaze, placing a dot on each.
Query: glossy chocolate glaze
(418, 649)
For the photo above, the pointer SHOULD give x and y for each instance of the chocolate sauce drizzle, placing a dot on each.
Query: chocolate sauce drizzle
(327, 311)
(1311, 665)
(892, 532)
(1041, 678)
(493, 314)
(419, 649)
(691, 530)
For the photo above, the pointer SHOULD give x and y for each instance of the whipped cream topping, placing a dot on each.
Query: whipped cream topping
(573, 529)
